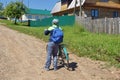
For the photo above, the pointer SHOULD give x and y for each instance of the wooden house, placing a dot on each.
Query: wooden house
(89, 8)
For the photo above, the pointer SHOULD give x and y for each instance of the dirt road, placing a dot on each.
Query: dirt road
(22, 57)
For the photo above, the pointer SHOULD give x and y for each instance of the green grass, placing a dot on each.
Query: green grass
(101, 47)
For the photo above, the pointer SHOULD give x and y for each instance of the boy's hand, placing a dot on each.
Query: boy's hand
(45, 29)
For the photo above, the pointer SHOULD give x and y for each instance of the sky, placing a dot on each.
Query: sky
(35, 4)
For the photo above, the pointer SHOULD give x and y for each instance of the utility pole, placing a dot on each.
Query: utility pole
(22, 8)
(22, 1)
(75, 7)
(80, 8)
(6, 3)
(28, 3)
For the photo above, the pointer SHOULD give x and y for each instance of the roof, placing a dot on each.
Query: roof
(57, 7)
(38, 11)
(72, 5)
(86, 3)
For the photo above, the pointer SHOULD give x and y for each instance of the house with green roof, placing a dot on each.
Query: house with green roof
(36, 14)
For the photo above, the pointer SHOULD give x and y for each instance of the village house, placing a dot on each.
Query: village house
(89, 8)
(36, 14)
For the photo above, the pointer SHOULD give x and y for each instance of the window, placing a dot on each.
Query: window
(115, 14)
(104, 0)
(94, 13)
(37, 17)
(29, 16)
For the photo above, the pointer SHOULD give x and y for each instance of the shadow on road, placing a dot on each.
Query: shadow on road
(72, 66)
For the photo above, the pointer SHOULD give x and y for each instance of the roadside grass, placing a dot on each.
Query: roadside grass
(103, 47)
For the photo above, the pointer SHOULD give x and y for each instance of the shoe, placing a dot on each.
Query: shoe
(47, 69)
(55, 69)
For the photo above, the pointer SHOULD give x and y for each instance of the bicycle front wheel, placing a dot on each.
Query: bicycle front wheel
(66, 57)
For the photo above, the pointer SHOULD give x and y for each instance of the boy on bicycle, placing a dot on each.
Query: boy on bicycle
(56, 37)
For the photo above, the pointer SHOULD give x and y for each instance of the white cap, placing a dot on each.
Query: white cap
(55, 21)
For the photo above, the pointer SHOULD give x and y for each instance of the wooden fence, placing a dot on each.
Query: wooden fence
(104, 25)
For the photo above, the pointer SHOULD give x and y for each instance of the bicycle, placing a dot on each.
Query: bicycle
(63, 56)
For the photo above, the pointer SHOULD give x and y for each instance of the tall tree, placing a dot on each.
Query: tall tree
(15, 10)
(1, 6)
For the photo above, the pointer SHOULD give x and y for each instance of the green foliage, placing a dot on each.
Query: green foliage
(102, 47)
(1, 9)
(15, 10)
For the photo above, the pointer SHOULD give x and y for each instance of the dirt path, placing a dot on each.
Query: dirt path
(22, 57)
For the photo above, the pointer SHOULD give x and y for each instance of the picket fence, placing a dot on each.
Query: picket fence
(103, 25)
